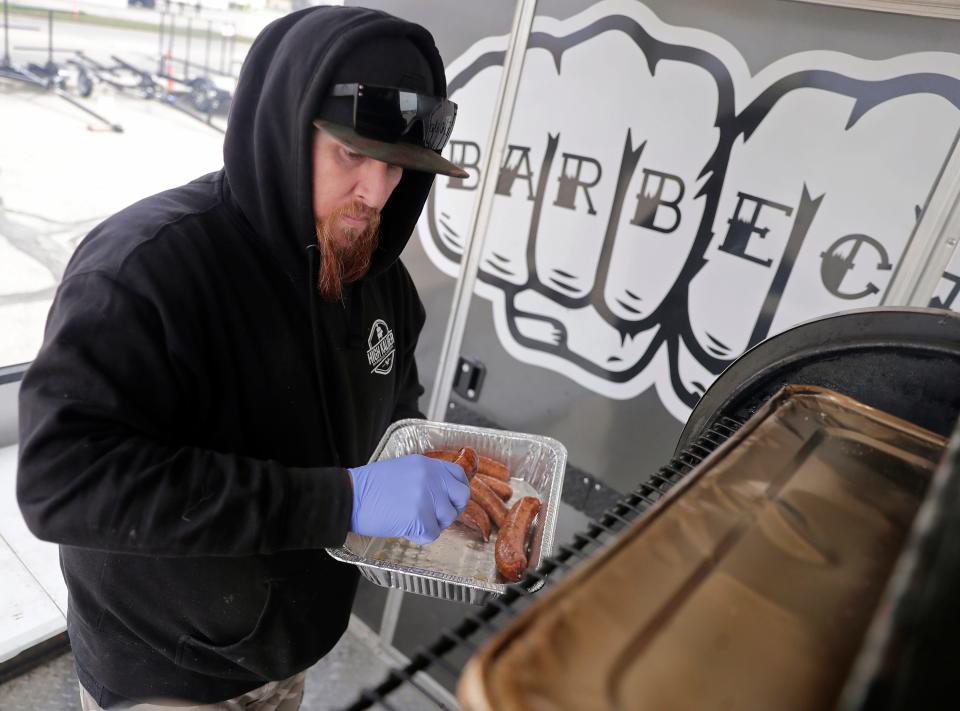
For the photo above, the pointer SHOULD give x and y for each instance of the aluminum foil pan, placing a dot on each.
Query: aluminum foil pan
(458, 566)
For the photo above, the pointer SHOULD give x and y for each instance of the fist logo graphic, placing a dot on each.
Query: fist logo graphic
(659, 210)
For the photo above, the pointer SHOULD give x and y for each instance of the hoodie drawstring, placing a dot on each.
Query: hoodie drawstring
(353, 301)
(313, 270)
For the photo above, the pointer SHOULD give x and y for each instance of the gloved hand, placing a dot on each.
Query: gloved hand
(413, 497)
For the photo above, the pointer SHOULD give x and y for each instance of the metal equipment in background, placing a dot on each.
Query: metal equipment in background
(51, 76)
(209, 88)
(195, 98)
(190, 86)
(194, 88)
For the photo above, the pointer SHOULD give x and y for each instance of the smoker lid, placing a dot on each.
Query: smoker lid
(904, 361)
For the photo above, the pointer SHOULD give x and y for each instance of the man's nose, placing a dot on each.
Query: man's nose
(375, 183)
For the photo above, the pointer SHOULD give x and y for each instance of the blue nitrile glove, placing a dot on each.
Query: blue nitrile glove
(414, 497)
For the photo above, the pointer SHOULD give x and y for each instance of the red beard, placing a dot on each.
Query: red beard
(345, 251)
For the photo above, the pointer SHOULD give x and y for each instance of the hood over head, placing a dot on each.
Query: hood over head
(284, 86)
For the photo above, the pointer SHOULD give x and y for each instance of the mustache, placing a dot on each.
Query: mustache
(357, 211)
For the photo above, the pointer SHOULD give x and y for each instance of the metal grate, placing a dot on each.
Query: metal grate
(440, 657)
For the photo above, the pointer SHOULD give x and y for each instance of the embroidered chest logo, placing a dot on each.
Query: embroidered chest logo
(381, 347)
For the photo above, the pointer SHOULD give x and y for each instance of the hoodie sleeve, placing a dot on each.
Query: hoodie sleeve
(95, 471)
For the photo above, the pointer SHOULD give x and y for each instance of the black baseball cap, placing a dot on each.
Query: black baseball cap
(381, 103)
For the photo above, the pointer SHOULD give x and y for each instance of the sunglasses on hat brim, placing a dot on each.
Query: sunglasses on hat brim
(405, 155)
(390, 114)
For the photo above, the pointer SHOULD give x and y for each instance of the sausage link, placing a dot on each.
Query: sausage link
(466, 457)
(444, 454)
(468, 460)
(493, 468)
(486, 466)
(476, 518)
(511, 546)
(489, 501)
(500, 488)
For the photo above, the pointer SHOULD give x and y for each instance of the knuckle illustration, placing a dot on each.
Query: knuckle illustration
(707, 209)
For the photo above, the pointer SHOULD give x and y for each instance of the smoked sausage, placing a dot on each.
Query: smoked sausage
(493, 468)
(444, 454)
(475, 518)
(468, 460)
(511, 546)
(500, 488)
(486, 466)
(466, 457)
(489, 501)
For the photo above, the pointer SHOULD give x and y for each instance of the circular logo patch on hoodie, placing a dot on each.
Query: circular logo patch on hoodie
(381, 347)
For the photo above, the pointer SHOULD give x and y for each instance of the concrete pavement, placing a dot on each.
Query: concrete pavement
(245, 23)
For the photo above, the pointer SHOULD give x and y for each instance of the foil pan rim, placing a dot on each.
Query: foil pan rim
(345, 555)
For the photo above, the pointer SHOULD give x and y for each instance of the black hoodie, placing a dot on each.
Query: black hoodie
(185, 425)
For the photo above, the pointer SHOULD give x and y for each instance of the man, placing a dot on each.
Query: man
(194, 428)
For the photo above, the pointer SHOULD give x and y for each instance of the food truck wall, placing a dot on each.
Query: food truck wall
(681, 180)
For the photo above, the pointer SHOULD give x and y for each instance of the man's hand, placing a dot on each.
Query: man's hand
(413, 497)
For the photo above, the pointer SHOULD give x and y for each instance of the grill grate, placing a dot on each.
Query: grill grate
(467, 637)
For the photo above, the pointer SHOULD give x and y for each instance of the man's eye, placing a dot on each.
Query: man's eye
(353, 155)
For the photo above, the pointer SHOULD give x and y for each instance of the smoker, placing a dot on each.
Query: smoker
(900, 364)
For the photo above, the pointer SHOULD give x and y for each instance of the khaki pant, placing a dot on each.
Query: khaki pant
(284, 695)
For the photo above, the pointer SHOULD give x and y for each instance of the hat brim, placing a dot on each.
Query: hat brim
(405, 155)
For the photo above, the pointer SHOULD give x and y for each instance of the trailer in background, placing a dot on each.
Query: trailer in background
(676, 182)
